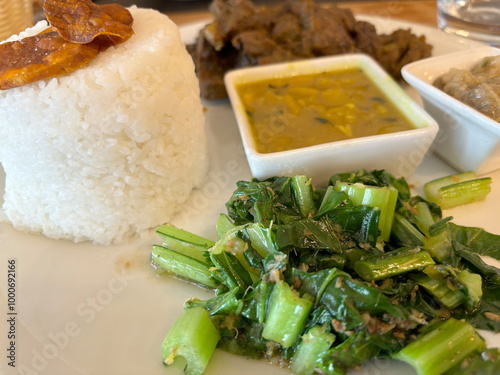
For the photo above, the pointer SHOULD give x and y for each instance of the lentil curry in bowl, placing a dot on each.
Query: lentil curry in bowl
(286, 113)
(327, 114)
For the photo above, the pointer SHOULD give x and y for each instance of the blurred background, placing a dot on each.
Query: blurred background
(158, 4)
(178, 5)
(174, 7)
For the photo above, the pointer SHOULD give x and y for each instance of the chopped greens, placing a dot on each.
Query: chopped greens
(329, 278)
(457, 189)
(194, 337)
(442, 348)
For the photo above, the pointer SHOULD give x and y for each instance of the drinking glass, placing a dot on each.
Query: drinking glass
(15, 16)
(475, 19)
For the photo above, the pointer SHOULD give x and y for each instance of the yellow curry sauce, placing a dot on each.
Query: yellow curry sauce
(306, 110)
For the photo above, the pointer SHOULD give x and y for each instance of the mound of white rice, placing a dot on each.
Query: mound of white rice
(109, 150)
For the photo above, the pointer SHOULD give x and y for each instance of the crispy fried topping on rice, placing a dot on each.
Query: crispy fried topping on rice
(79, 31)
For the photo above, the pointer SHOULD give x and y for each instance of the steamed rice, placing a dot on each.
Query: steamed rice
(110, 150)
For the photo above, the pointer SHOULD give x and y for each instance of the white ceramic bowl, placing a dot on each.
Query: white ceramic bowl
(399, 153)
(467, 139)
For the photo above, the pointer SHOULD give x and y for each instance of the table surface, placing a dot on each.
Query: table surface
(423, 12)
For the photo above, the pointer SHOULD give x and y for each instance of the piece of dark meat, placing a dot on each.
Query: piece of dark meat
(401, 48)
(287, 29)
(211, 65)
(245, 35)
(366, 38)
(232, 15)
(255, 43)
(324, 31)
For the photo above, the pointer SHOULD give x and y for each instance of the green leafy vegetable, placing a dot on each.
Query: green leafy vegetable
(313, 344)
(484, 363)
(393, 263)
(442, 348)
(287, 314)
(354, 351)
(456, 190)
(384, 198)
(194, 337)
(329, 278)
(183, 266)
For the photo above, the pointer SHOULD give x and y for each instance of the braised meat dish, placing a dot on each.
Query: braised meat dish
(478, 87)
(243, 34)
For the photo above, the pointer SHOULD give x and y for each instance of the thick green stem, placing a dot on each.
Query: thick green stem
(464, 192)
(384, 198)
(233, 269)
(192, 336)
(223, 225)
(183, 241)
(472, 283)
(442, 348)
(439, 245)
(287, 313)
(390, 265)
(235, 246)
(314, 343)
(183, 266)
(424, 218)
(405, 232)
(439, 289)
(458, 189)
(431, 188)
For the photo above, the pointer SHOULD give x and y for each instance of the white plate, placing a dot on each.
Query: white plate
(84, 309)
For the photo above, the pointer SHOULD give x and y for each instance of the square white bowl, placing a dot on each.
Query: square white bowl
(467, 139)
(399, 153)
